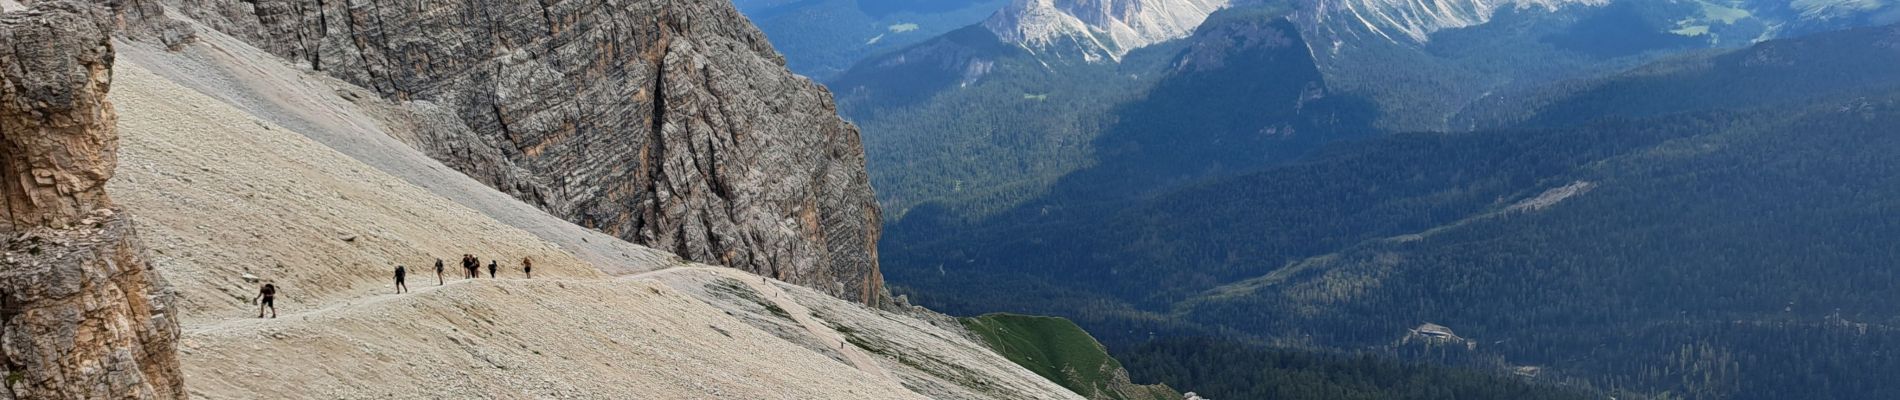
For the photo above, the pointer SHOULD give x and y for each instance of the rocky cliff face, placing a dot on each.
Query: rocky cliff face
(82, 314)
(1099, 29)
(667, 123)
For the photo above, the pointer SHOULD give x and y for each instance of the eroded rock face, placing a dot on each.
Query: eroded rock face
(667, 123)
(82, 314)
(60, 144)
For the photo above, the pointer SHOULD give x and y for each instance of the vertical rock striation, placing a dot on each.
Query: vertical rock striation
(82, 314)
(669, 123)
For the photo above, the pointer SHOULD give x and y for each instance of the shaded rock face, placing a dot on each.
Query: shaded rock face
(82, 314)
(667, 123)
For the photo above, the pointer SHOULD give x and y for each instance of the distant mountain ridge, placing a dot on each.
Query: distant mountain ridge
(1413, 20)
(1100, 30)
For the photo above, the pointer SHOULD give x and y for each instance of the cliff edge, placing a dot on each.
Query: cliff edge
(82, 312)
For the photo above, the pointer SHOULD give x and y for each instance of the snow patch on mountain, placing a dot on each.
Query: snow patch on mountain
(1100, 29)
(1414, 20)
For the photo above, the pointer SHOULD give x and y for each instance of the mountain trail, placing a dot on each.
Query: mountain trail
(238, 169)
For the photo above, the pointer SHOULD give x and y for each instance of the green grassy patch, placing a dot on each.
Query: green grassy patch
(1057, 349)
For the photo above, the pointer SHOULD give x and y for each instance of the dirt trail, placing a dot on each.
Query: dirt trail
(322, 309)
(513, 338)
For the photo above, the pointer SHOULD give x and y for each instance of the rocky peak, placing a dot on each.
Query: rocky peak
(1098, 29)
(1412, 21)
(666, 123)
(82, 313)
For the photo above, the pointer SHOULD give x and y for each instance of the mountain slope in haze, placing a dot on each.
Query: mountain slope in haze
(821, 39)
(1733, 251)
(1096, 30)
(1425, 61)
(1783, 72)
(1014, 126)
(994, 113)
(672, 125)
(1412, 21)
(969, 112)
(981, 120)
(1193, 125)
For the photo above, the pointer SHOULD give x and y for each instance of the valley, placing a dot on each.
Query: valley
(1614, 218)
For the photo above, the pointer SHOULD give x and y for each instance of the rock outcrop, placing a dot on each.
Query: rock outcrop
(672, 124)
(82, 313)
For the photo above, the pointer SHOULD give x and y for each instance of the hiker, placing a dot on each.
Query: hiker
(527, 267)
(268, 295)
(468, 266)
(401, 273)
(438, 272)
(491, 269)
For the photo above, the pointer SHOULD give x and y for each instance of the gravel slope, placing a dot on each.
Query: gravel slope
(219, 195)
(219, 192)
(349, 120)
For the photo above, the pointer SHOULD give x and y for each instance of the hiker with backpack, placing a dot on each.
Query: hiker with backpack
(438, 273)
(527, 267)
(400, 274)
(268, 295)
(469, 266)
(491, 269)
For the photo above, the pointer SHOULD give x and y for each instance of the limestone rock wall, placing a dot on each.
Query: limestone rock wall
(84, 316)
(82, 313)
(669, 123)
(59, 146)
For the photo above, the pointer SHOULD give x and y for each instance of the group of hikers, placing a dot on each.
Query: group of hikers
(471, 267)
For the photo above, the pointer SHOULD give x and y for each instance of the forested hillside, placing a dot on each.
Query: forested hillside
(965, 126)
(1225, 369)
(1731, 241)
(1789, 72)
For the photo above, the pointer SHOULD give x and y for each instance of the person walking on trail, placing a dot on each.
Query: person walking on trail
(468, 267)
(268, 297)
(438, 272)
(527, 267)
(491, 269)
(400, 274)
